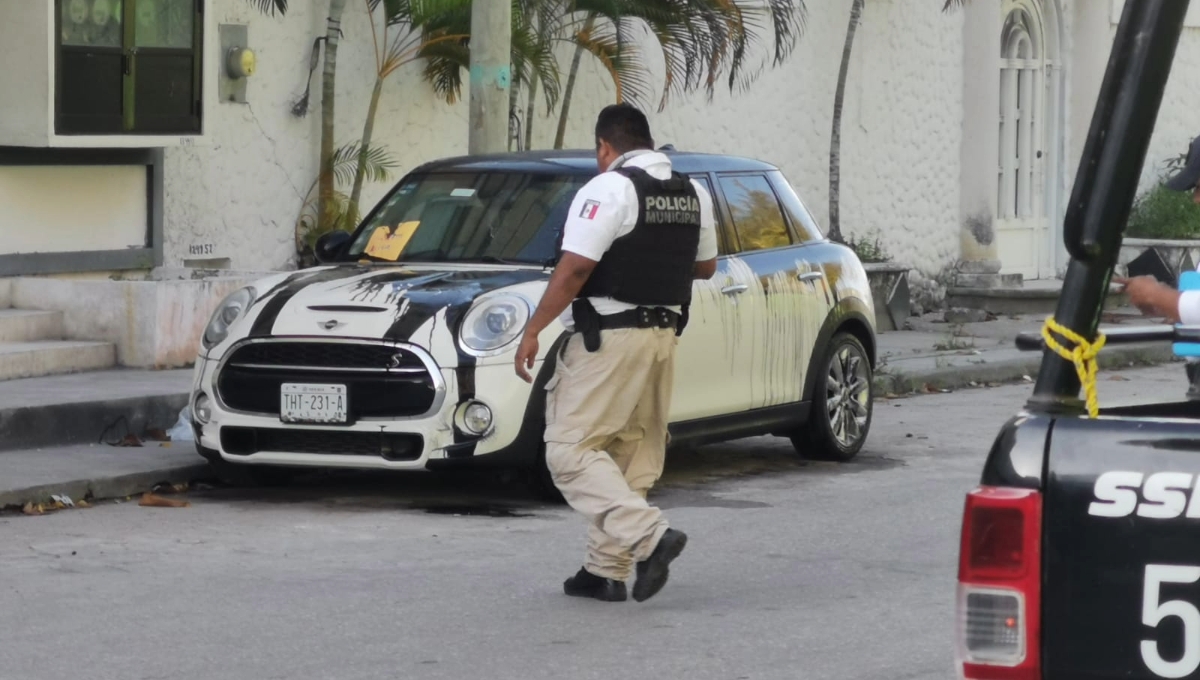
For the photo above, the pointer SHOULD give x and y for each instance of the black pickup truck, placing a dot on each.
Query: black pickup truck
(1080, 547)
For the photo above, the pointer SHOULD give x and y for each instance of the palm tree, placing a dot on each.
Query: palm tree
(270, 6)
(533, 57)
(835, 139)
(699, 40)
(409, 27)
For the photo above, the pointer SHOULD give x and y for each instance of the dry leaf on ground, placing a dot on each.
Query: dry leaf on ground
(154, 501)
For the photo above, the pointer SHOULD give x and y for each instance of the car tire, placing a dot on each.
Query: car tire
(246, 475)
(833, 433)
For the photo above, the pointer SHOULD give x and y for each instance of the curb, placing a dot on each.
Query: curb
(30, 427)
(106, 488)
(1011, 370)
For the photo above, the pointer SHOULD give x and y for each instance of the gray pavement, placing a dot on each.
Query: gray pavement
(793, 570)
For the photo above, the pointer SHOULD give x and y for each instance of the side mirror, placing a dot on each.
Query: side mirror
(329, 245)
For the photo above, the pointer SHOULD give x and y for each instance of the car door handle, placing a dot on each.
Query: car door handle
(737, 288)
(810, 276)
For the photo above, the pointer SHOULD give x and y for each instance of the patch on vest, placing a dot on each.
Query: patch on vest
(589, 209)
(672, 209)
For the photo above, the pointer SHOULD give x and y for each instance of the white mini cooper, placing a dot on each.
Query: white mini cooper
(397, 351)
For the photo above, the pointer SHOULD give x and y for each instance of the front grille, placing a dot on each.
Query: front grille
(382, 381)
(244, 441)
(326, 355)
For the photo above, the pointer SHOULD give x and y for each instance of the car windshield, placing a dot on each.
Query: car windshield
(495, 217)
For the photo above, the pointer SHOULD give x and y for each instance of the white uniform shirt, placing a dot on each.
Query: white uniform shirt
(606, 208)
(1189, 307)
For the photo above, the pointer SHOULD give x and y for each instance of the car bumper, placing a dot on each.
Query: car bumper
(400, 443)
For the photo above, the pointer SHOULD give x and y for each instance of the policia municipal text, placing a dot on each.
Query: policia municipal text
(637, 236)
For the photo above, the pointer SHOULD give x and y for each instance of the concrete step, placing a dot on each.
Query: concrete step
(54, 357)
(86, 408)
(1033, 297)
(30, 325)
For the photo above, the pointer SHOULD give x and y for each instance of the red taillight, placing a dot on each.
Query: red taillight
(999, 585)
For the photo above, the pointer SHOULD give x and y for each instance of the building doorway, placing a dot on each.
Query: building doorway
(1028, 198)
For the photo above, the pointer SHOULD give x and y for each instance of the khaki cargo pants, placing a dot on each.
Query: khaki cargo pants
(606, 439)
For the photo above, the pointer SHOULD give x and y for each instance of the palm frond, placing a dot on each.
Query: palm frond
(954, 4)
(378, 163)
(621, 60)
(270, 7)
(783, 20)
(444, 64)
(533, 56)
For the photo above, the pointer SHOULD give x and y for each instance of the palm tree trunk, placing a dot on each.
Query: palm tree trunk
(368, 131)
(325, 193)
(835, 140)
(529, 112)
(514, 95)
(570, 89)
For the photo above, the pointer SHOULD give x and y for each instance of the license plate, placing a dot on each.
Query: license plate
(301, 403)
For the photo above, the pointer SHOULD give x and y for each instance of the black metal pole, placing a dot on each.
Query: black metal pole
(1122, 124)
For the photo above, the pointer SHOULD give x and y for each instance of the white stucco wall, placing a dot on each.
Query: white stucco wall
(900, 136)
(25, 31)
(1179, 116)
(902, 132)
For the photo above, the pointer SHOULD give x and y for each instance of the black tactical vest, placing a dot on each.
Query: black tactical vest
(653, 264)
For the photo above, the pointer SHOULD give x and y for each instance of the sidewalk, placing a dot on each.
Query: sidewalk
(937, 355)
(96, 436)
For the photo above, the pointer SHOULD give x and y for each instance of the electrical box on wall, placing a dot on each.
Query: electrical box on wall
(238, 62)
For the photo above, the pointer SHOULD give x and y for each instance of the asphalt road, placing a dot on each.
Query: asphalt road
(793, 570)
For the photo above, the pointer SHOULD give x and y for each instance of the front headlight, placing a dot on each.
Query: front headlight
(494, 323)
(229, 311)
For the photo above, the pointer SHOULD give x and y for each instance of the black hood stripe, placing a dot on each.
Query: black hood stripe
(417, 296)
(288, 288)
(453, 292)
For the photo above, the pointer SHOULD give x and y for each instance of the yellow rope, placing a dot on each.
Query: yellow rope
(1083, 356)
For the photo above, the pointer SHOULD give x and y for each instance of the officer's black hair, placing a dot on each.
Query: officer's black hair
(624, 127)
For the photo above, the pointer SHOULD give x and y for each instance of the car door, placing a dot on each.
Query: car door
(704, 360)
(775, 290)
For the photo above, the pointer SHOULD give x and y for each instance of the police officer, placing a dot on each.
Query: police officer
(1152, 297)
(1146, 292)
(637, 235)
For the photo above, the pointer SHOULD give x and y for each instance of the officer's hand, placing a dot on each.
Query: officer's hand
(526, 354)
(1150, 296)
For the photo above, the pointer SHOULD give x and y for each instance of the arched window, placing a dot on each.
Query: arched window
(1022, 89)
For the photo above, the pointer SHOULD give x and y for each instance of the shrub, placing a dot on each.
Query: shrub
(1164, 214)
(869, 250)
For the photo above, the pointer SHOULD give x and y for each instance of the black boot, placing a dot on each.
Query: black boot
(587, 584)
(652, 572)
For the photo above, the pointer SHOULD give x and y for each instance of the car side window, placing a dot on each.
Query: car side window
(722, 243)
(802, 220)
(757, 217)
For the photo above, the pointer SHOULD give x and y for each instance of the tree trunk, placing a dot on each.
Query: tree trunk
(570, 89)
(490, 73)
(513, 102)
(368, 131)
(529, 113)
(325, 192)
(835, 140)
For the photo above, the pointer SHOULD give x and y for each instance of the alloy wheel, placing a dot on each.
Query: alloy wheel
(847, 395)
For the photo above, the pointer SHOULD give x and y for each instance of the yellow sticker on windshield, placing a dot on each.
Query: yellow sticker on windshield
(387, 243)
